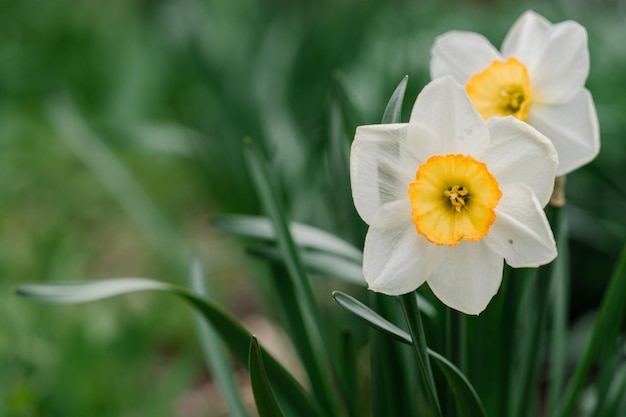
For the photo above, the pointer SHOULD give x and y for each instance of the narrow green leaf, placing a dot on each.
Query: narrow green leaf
(83, 292)
(524, 397)
(468, 403)
(370, 317)
(214, 354)
(467, 400)
(237, 338)
(393, 111)
(559, 308)
(305, 236)
(416, 329)
(346, 270)
(263, 395)
(606, 377)
(316, 359)
(608, 321)
(348, 371)
(375, 320)
(616, 398)
(390, 382)
(319, 263)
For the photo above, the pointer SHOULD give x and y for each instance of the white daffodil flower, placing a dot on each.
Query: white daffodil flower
(538, 77)
(448, 196)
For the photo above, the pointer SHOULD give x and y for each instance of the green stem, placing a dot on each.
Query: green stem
(559, 308)
(455, 350)
(414, 321)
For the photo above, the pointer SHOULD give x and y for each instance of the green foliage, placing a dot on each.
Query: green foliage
(121, 129)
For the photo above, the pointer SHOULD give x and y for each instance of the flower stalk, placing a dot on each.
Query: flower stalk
(416, 329)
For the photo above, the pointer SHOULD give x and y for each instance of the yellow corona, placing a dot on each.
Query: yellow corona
(502, 89)
(453, 197)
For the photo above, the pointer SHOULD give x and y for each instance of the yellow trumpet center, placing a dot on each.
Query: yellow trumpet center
(453, 197)
(502, 89)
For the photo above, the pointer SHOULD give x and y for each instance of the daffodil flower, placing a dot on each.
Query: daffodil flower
(538, 77)
(448, 197)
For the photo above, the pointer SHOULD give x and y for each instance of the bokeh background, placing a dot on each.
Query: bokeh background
(121, 134)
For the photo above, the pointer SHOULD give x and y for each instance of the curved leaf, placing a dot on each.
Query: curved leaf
(263, 395)
(320, 263)
(468, 403)
(234, 335)
(214, 353)
(258, 227)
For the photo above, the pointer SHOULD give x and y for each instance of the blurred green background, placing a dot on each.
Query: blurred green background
(121, 127)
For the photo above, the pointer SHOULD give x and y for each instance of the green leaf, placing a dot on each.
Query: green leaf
(418, 337)
(370, 317)
(305, 236)
(467, 400)
(320, 263)
(263, 395)
(608, 321)
(214, 354)
(237, 338)
(313, 350)
(468, 403)
(393, 111)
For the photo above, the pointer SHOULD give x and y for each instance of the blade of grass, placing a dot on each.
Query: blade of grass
(608, 321)
(214, 354)
(234, 335)
(316, 358)
(263, 395)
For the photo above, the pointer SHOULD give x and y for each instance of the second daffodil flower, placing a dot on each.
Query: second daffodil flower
(538, 77)
(448, 197)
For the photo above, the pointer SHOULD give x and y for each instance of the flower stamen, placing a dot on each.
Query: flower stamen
(456, 195)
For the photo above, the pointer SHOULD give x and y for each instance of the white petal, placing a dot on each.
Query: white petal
(445, 109)
(396, 259)
(521, 232)
(461, 54)
(468, 277)
(526, 37)
(519, 153)
(572, 128)
(381, 167)
(562, 64)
